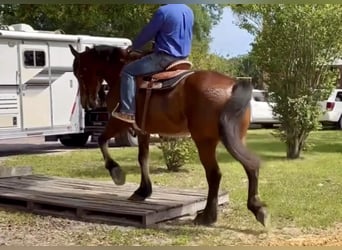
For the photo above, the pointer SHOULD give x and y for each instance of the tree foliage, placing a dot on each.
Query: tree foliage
(92, 19)
(245, 66)
(100, 19)
(121, 20)
(294, 45)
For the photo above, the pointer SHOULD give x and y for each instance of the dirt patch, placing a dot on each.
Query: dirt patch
(328, 237)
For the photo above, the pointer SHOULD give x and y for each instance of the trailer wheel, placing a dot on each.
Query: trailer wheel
(74, 140)
(127, 139)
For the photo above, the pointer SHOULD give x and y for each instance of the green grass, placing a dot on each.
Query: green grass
(303, 193)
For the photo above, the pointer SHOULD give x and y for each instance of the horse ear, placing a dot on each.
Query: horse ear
(73, 51)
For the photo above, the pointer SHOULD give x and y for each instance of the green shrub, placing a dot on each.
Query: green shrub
(177, 151)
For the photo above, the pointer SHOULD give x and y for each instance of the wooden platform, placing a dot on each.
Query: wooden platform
(12, 172)
(99, 201)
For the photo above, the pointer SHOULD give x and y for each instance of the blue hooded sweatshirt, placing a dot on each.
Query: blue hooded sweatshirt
(171, 28)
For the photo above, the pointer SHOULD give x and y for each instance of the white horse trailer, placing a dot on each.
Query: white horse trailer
(39, 94)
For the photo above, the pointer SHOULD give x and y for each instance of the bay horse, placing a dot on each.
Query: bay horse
(208, 105)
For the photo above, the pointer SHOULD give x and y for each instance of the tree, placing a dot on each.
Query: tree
(122, 20)
(92, 19)
(294, 45)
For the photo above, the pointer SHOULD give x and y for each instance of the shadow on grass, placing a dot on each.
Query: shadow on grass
(14, 149)
(265, 150)
(29, 149)
(327, 142)
(193, 230)
(162, 170)
(244, 231)
(327, 148)
(225, 157)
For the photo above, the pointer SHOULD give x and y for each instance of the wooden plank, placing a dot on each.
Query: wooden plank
(95, 203)
(176, 212)
(116, 206)
(15, 171)
(109, 186)
(99, 201)
(132, 220)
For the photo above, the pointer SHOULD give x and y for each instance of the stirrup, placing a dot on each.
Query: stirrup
(124, 117)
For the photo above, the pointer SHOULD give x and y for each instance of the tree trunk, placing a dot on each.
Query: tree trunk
(293, 148)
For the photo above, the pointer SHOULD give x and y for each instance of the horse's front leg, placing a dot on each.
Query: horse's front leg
(112, 129)
(145, 189)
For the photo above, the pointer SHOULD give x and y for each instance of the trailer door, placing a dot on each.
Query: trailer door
(9, 101)
(35, 85)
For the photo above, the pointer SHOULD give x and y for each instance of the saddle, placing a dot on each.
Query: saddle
(168, 78)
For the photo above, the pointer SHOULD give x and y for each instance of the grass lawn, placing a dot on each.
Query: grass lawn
(305, 193)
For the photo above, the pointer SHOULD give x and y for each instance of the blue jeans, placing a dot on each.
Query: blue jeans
(152, 63)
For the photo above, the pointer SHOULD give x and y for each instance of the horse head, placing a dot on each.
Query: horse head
(91, 67)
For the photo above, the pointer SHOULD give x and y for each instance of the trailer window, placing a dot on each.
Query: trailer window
(34, 58)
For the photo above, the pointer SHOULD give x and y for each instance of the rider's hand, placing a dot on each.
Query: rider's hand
(129, 49)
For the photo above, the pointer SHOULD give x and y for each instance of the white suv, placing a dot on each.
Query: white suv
(261, 110)
(332, 109)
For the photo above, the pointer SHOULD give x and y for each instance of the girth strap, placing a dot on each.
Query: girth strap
(146, 105)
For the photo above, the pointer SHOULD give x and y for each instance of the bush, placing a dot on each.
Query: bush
(177, 151)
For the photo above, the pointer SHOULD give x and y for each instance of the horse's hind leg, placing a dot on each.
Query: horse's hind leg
(254, 204)
(233, 135)
(145, 189)
(113, 128)
(206, 149)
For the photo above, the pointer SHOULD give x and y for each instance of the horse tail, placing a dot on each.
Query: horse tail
(230, 122)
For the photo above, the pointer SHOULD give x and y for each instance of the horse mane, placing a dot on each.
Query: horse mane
(114, 54)
(108, 53)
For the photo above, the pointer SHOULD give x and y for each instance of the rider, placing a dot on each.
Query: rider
(171, 28)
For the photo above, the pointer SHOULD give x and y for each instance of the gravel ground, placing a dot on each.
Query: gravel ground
(51, 231)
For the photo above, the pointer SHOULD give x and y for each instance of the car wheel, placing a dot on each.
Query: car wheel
(267, 125)
(127, 139)
(74, 140)
(339, 123)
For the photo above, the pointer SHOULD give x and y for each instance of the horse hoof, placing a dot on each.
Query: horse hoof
(263, 217)
(118, 176)
(203, 219)
(136, 197)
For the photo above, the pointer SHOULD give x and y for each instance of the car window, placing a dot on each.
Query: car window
(259, 97)
(338, 97)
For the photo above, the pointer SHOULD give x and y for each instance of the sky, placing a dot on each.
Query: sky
(228, 39)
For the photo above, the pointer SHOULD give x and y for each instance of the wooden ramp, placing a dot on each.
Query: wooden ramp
(99, 201)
